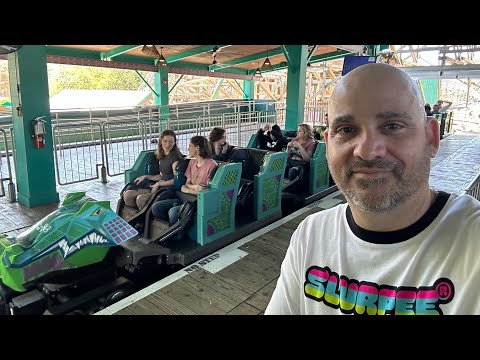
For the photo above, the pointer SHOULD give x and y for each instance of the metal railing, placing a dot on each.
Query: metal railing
(90, 150)
(78, 152)
(11, 186)
(473, 188)
(122, 140)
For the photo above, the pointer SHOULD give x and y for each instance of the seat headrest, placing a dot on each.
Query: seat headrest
(182, 165)
(239, 154)
(214, 170)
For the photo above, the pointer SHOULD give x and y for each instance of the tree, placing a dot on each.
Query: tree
(62, 77)
(4, 83)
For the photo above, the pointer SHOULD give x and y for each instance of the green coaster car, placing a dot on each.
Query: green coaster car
(67, 255)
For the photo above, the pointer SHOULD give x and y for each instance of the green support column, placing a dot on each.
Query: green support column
(296, 80)
(161, 87)
(34, 168)
(248, 89)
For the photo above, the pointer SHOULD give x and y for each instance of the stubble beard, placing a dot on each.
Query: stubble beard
(383, 194)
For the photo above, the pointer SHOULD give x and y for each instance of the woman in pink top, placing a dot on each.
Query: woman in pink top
(301, 148)
(198, 173)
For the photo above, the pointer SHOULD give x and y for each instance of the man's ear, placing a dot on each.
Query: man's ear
(432, 129)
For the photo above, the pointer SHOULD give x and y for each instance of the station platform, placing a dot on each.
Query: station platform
(240, 278)
(236, 280)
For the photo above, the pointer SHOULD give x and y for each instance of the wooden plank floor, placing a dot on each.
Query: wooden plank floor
(243, 287)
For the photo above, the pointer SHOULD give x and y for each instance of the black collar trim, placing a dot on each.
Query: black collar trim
(392, 237)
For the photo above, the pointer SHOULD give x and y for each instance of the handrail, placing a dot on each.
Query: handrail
(11, 185)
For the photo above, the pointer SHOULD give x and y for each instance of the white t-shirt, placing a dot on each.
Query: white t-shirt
(332, 266)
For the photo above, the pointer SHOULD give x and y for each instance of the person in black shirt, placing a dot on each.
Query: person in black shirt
(271, 138)
(428, 110)
(218, 143)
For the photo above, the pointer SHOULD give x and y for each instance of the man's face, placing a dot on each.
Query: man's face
(377, 146)
(436, 108)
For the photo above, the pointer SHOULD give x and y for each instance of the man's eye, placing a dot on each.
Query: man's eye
(345, 130)
(392, 126)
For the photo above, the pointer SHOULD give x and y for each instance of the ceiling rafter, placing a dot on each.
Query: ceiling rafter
(108, 55)
(246, 59)
(193, 52)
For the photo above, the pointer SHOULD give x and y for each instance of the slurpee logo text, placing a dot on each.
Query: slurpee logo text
(351, 296)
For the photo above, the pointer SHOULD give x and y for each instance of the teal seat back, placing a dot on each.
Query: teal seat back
(268, 184)
(140, 167)
(319, 173)
(216, 205)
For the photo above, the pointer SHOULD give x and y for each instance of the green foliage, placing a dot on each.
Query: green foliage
(63, 77)
(4, 83)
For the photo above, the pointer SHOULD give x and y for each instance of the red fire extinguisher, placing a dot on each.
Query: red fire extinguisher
(38, 132)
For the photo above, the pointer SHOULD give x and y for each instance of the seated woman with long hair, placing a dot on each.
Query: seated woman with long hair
(168, 155)
(198, 173)
(301, 148)
(218, 144)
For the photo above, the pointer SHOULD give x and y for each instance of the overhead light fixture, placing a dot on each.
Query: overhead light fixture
(267, 65)
(161, 59)
(150, 50)
(257, 72)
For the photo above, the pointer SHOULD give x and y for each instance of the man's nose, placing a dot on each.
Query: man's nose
(370, 145)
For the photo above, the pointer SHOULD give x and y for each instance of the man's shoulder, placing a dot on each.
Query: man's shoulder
(326, 215)
(465, 202)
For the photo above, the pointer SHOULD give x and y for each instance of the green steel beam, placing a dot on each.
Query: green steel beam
(330, 56)
(144, 99)
(217, 89)
(146, 82)
(314, 59)
(246, 59)
(192, 52)
(296, 80)
(138, 60)
(119, 50)
(176, 83)
(96, 55)
(285, 52)
(311, 52)
(249, 89)
(236, 82)
(379, 48)
(193, 66)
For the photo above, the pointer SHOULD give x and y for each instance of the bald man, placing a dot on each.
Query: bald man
(398, 246)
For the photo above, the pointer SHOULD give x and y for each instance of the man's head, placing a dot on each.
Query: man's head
(379, 140)
(436, 108)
